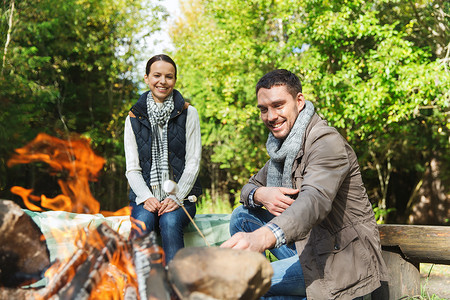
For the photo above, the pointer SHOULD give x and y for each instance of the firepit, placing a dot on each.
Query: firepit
(85, 253)
(103, 261)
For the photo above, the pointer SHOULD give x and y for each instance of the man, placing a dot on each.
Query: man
(317, 219)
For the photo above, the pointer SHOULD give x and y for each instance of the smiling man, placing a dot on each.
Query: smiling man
(308, 204)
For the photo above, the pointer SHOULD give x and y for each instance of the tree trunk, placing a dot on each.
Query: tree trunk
(8, 35)
(431, 205)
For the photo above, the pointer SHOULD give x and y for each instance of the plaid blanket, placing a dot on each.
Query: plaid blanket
(61, 228)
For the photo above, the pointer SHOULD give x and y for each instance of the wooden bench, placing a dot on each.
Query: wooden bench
(405, 247)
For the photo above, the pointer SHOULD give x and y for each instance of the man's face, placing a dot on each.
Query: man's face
(279, 109)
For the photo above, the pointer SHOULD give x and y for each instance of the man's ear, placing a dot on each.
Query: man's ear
(300, 99)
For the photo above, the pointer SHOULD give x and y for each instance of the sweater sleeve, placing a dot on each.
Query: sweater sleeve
(133, 168)
(193, 153)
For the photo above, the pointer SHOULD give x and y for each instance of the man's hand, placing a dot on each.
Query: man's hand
(152, 204)
(274, 199)
(167, 205)
(258, 240)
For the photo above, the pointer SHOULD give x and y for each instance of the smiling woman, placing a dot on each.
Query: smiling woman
(162, 142)
(160, 77)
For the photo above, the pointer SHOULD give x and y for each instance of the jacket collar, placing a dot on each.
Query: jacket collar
(314, 120)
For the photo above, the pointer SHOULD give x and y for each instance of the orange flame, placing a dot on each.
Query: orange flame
(112, 281)
(114, 276)
(79, 165)
(119, 274)
(75, 158)
(124, 211)
(138, 225)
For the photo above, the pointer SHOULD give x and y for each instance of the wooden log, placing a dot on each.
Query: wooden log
(149, 262)
(405, 247)
(404, 275)
(23, 251)
(425, 244)
(77, 277)
(17, 293)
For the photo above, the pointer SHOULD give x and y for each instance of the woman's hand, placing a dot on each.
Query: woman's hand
(152, 205)
(167, 205)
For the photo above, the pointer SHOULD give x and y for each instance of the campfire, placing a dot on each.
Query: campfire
(104, 263)
(77, 162)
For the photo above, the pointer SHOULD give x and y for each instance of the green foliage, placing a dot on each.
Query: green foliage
(208, 205)
(221, 54)
(68, 69)
(381, 214)
(365, 65)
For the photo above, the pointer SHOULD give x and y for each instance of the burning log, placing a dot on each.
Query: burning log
(85, 271)
(106, 265)
(151, 273)
(23, 252)
(102, 266)
(137, 265)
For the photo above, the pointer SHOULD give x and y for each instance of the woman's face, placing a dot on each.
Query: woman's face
(161, 80)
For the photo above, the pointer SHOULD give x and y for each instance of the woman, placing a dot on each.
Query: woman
(162, 141)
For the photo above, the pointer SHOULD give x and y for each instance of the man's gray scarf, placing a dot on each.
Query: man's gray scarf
(159, 172)
(283, 152)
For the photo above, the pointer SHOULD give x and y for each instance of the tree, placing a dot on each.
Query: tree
(369, 72)
(68, 69)
(222, 48)
(389, 95)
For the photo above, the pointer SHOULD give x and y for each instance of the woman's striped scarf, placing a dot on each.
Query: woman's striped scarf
(159, 172)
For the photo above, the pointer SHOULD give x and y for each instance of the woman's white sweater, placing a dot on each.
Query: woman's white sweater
(192, 164)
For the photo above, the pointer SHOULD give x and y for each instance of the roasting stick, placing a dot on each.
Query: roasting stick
(171, 188)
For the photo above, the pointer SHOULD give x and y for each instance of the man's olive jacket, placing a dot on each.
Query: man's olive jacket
(331, 221)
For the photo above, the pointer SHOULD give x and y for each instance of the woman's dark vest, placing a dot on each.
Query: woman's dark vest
(176, 136)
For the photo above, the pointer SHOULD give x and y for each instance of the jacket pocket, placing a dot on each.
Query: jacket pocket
(343, 260)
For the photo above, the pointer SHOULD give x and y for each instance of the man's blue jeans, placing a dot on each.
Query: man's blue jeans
(170, 226)
(287, 281)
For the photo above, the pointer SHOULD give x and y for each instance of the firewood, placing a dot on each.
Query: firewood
(23, 251)
(77, 278)
(151, 273)
(17, 293)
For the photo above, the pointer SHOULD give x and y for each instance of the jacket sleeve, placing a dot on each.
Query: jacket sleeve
(257, 180)
(323, 168)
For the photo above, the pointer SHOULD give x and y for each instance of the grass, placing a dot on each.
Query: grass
(207, 205)
(428, 272)
(439, 270)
